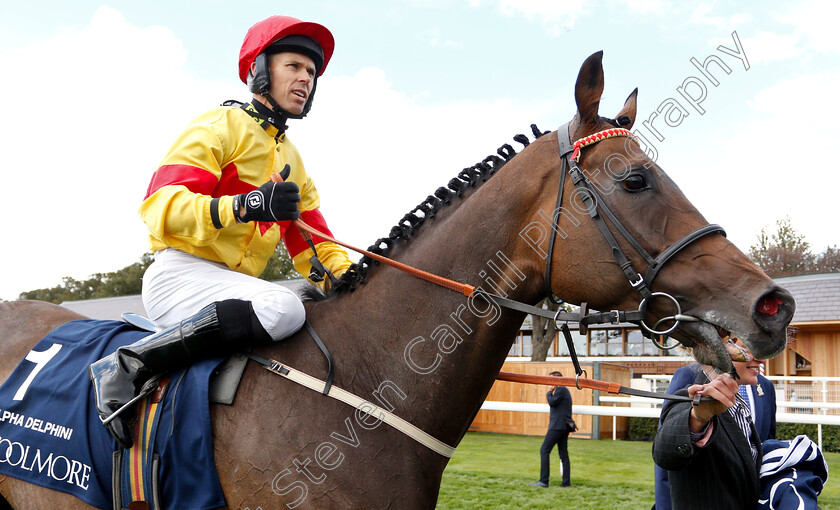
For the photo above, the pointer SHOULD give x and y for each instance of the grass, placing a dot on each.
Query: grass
(492, 471)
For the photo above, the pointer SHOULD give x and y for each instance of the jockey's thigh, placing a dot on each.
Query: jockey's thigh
(177, 285)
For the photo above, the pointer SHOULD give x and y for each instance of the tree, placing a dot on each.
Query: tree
(280, 266)
(828, 261)
(784, 253)
(128, 281)
(124, 282)
(543, 331)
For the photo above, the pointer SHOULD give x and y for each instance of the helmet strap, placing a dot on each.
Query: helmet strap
(260, 111)
(285, 114)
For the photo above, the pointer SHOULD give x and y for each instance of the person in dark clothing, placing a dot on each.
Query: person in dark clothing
(712, 451)
(559, 427)
(761, 398)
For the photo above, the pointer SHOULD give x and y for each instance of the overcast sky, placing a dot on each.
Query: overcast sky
(417, 90)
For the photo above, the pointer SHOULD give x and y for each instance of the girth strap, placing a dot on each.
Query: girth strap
(274, 365)
(359, 403)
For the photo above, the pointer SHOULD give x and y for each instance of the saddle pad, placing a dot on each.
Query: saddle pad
(51, 435)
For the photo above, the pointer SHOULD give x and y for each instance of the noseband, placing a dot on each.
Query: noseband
(570, 153)
(598, 210)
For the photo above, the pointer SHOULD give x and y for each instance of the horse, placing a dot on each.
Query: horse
(430, 355)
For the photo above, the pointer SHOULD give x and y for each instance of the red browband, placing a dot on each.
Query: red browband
(597, 137)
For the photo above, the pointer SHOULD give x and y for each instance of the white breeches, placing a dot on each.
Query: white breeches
(177, 285)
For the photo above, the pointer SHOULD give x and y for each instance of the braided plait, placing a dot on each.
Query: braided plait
(408, 225)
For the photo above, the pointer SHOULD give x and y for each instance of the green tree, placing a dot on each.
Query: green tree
(128, 281)
(124, 282)
(784, 252)
(543, 330)
(280, 266)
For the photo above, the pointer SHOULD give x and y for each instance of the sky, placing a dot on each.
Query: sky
(94, 93)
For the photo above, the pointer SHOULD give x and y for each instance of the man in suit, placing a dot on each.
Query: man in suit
(712, 451)
(560, 403)
(761, 398)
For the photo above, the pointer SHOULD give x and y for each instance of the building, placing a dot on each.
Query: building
(814, 349)
(619, 353)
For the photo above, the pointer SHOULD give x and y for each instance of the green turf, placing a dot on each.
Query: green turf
(492, 471)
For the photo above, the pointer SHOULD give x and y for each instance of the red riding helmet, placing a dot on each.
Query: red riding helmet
(263, 34)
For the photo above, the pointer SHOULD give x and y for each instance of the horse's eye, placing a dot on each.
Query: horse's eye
(635, 182)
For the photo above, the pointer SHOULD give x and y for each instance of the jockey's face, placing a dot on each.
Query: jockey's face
(292, 78)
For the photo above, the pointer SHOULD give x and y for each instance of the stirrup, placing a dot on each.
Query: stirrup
(147, 388)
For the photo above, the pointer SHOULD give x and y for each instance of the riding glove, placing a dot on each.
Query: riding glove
(273, 201)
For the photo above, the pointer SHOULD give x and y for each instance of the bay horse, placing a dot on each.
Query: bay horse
(431, 355)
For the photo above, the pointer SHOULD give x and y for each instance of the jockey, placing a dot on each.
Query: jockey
(215, 217)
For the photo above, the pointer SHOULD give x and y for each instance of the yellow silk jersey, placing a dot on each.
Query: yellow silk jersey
(223, 153)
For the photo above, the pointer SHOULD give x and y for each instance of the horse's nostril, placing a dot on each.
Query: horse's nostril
(769, 304)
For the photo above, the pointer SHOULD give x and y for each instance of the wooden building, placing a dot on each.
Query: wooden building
(814, 349)
(625, 355)
(620, 353)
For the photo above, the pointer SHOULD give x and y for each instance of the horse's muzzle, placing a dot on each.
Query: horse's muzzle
(772, 313)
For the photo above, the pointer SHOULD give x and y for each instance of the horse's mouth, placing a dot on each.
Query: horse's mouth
(711, 344)
(736, 352)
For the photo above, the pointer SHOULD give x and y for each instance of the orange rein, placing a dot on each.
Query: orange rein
(306, 231)
(467, 290)
(550, 380)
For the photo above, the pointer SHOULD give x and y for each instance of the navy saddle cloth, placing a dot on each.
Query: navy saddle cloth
(51, 435)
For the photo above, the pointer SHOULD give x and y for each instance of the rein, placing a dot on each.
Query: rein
(570, 154)
(462, 288)
(590, 384)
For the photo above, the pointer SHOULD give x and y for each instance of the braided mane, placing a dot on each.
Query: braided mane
(428, 208)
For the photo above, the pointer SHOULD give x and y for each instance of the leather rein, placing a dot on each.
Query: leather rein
(569, 153)
(597, 209)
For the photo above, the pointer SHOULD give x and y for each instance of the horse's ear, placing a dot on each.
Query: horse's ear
(629, 111)
(588, 89)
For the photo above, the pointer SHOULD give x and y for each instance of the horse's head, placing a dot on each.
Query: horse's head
(712, 281)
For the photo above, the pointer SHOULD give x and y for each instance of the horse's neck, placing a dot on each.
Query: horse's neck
(440, 349)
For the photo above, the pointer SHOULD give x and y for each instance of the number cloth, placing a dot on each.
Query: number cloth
(51, 435)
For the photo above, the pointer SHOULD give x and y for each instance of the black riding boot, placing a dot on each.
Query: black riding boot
(218, 329)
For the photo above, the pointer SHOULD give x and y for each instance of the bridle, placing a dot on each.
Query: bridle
(570, 154)
(597, 209)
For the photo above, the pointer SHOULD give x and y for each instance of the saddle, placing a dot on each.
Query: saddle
(135, 472)
(224, 380)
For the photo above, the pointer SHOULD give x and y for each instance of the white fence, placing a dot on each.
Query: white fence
(802, 389)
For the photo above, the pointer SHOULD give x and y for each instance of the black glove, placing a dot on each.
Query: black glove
(273, 201)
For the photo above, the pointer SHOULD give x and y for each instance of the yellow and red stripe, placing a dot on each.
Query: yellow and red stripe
(140, 454)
